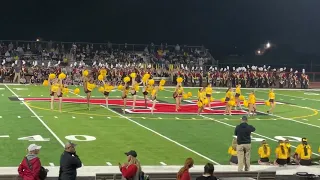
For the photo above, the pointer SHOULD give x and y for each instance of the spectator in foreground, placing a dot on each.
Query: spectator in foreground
(29, 169)
(69, 163)
(233, 152)
(208, 173)
(243, 132)
(183, 173)
(132, 169)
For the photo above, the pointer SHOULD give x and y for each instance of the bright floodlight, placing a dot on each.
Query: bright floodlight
(259, 52)
(268, 45)
(38, 39)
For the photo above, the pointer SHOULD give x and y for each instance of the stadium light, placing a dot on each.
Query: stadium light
(268, 45)
(37, 39)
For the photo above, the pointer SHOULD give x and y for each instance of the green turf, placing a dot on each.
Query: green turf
(174, 137)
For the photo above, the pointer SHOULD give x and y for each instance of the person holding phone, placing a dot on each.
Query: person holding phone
(131, 169)
(69, 162)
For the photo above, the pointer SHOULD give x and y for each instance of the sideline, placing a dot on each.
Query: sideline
(41, 121)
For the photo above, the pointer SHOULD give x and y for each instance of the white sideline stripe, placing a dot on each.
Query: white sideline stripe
(155, 132)
(252, 133)
(42, 122)
(165, 137)
(108, 163)
(35, 116)
(163, 164)
(4, 136)
(51, 164)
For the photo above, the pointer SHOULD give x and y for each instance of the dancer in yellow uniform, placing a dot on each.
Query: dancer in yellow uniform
(281, 154)
(252, 104)
(272, 100)
(60, 93)
(288, 146)
(125, 93)
(209, 94)
(202, 100)
(133, 90)
(264, 152)
(90, 85)
(54, 89)
(227, 99)
(107, 89)
(303, 153)
(154, 93)
(177, 95)
(233, 152)
(238, 94)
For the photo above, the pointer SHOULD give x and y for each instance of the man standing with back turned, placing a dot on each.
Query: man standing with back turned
(243, 132)
(69, 163)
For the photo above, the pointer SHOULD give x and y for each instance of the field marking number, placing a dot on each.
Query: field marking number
(84, 138)
(70, 137)
(290, 138)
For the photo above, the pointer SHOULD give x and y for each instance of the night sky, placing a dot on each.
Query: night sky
(219, 25)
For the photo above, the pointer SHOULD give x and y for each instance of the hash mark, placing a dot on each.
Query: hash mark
(19, 116)
(177, 118)
(0, 116)
(226, 119)
(41, 95)
(109, 117)
(163, 164)
(143, 117)
(159, 117)
(91, 117)
(108, 163)
(56, 117)
(73, 117)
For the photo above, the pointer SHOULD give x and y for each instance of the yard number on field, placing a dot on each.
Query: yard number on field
(290, 138)
(70, 137)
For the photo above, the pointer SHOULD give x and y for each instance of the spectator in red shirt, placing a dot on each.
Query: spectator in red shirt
(132, 169)
(29, 168)
(184, 174)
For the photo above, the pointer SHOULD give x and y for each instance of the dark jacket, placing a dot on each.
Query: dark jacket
(69, 163)
(243, 133)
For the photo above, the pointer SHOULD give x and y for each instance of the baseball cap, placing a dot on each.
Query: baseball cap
(244, 118)
(131, 153)
(33, 147)
(304, 140)
(69, 143)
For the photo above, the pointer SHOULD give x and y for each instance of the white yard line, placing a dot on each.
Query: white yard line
(155, 132)
(252, 133)
(163, 164)
(303, 98)
(41, 121)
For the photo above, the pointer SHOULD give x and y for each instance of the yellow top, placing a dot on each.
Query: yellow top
(229, 94)
(238, 90)
(90, 86)
(202, 96)
(149, 88)
(272, 95)
(154, 92)
(289, 149)
(264, 153)
(252, 99)
(209, 90)
(282, 154)
(301, 151)
(232, 152)
(107, 88)
(180, 90)
(55, 87)
(199, 94)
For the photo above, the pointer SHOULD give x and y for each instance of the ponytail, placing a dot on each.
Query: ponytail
(305, 149)
(282, 149)
(187, 165)
(265, 148)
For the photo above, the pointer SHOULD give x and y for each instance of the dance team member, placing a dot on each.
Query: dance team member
(227, 99)
(281, 154)
(237, 96)
(209, 94)
(233, 152)
(54, 90)
(125, 93)
(89, 86)
(252, 104)
(202, 100)
(154, 93)
(272, 98)
(177, 95)
(264, 152)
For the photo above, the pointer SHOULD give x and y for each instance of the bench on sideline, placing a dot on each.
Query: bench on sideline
(259, 175)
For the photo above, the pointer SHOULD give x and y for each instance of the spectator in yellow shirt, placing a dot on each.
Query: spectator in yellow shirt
(233, 152)
(281, 154)
(264, 152)
(288, 146)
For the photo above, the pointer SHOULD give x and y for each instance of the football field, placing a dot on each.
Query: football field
(103, 134)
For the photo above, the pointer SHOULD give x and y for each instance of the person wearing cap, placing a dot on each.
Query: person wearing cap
(243, 132)
(132, 169)
(303, 153)
(29, 169)
(69, 162)
(208, 173)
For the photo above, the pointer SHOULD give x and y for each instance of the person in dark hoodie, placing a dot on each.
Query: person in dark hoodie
(69, 163)
(29, 169)
(208, 173)
(243, 132)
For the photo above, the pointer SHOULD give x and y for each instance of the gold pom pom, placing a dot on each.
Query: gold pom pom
(76, 91)
(100, 77)
(62, 76)
(126, 79)
(101, 89)
(52, 76)
(133, 75)
(120, 87)
(162, 82)
(223, 100)
(179, 80)
(161, 88)
(45, 83)
(151, 82)
(185, 96)
(85, 73)
(245, 103)
(267, 103)
(189, 94)
(241, 98)
(65, 90)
